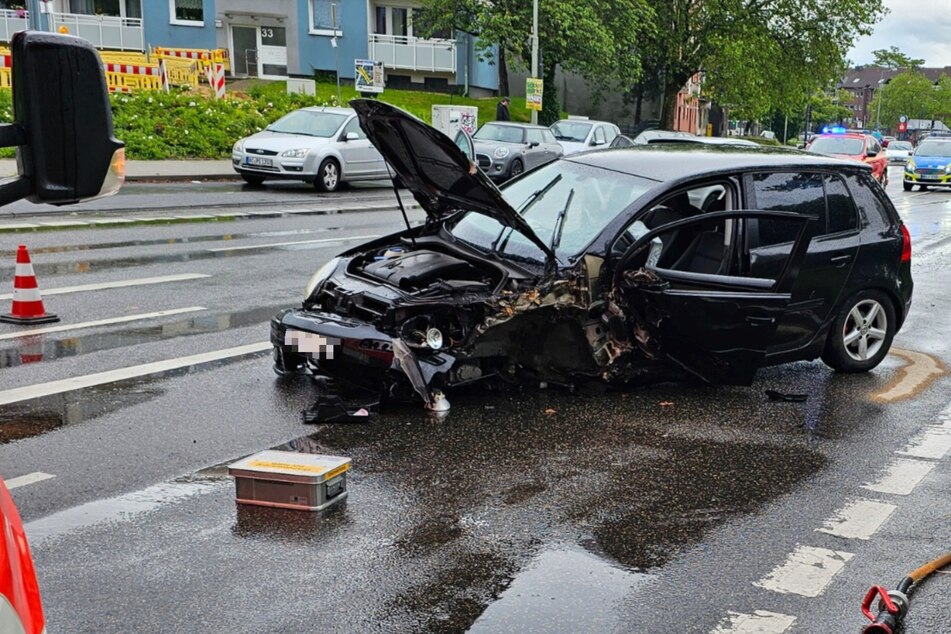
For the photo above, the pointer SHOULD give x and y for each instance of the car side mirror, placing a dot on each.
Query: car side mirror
(871, 154)
(532, 144)
(62, 123)
(351, 136)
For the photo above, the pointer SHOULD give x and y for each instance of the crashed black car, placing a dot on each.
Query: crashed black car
(623, 266)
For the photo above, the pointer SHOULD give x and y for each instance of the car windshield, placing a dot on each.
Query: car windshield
(571, 131)
(309, 123)
(837, 145)
(503, 133)
(899, 145)
(934, 148)
(544, 198)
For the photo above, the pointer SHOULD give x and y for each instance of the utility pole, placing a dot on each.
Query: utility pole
(333, 43)
(535, 51)
(878, 96)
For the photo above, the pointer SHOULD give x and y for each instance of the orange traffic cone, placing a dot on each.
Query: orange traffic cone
(27, 304)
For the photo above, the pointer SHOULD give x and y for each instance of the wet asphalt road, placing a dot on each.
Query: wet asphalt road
(654, 510)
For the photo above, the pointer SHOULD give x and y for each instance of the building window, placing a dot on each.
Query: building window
(323, 14)
(117, 8)
(186, 12)
(380, 24)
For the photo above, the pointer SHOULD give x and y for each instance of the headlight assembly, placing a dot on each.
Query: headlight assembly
(501, 152)
(910, 166)
(298, 153)
(238, 147)
(321, 275)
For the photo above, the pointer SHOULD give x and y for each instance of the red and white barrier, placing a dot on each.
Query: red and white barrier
(216, 78)
(5, 61)
(133, 69)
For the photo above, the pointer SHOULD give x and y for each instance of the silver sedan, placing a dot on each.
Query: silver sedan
(323, 146)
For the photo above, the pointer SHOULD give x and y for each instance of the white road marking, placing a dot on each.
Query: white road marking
(858, 520)
(288, 244)
(30, 392)
(760, 622)
(142, 281)
(933, 442)
(902, 477)
(806, 572)
(30, 478)
(101, 322)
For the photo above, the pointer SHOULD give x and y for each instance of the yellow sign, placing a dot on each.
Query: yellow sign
(533, 93)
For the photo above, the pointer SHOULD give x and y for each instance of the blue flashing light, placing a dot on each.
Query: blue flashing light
(837, 129)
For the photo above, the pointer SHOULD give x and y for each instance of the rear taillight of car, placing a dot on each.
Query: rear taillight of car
(905, 244)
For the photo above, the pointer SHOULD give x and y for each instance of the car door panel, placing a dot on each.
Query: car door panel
(717, 327)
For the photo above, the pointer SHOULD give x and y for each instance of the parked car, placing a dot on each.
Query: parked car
(505, 150)
(886, 140)
(653, 136)
(930, 164)
(858, 147)
(578, 135)
(323, 146)
(681, 137)
(21, 610)
(899, 151)
(601, 267)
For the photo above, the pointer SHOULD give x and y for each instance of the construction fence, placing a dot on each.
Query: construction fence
(129, 71)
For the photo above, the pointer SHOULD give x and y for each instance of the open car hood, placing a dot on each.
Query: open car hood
(442, 178)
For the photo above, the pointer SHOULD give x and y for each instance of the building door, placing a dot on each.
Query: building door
(244, 50)
(273, 47)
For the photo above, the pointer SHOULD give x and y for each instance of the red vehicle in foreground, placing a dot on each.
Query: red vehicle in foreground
(21, 610)
(857, 146)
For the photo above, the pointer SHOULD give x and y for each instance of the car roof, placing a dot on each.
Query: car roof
(583, 121)
(515, 124)
(330, 109)
(838, 135)
(674, 161)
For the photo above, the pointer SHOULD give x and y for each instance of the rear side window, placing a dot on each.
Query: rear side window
(842, 213)
(800, 193)
(599, 135)
(865, 192)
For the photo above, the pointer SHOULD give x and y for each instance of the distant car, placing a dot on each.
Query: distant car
(930, 164)
(578, 135)
(21, 610)
(680, 137)
(600, 267)
(768, 134)
(856, 146)
(886, 140)
(504, 150)
(899, 151)
(323, 146)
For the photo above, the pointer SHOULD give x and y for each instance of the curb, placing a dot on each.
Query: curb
(180, 178)
(112, 223)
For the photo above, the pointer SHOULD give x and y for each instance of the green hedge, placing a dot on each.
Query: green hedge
(190, 125)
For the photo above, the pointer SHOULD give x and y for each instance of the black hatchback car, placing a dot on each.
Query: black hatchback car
(623, 266)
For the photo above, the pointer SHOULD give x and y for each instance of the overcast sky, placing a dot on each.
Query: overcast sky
(919, 28)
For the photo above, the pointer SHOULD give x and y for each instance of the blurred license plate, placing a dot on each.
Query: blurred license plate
(257, 160)
(930, 177)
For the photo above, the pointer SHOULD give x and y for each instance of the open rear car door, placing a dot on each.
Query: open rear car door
(696, 312)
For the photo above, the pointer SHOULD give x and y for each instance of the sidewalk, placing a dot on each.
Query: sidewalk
(159, 170)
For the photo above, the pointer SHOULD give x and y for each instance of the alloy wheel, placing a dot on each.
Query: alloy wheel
(330, 176)
(865, 329)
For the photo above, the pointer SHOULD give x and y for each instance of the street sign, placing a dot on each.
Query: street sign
(368, 75)
(903, 119)
(533, 93)
(902, 127)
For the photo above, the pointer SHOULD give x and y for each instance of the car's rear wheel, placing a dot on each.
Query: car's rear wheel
(517, 168)
(328, 176)
(906, 186)
(861, 333)
(253, 181)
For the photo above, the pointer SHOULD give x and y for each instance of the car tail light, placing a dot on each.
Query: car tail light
(905, 244)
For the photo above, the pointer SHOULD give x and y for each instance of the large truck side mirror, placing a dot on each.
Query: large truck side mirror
(62, 128)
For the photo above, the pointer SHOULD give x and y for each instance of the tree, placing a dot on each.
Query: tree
(598, 39)
(912, 94)
(894, 58)
(756, 55)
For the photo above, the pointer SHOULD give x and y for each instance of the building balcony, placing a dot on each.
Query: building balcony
(104, 31)
(11, 21)
(413, 53)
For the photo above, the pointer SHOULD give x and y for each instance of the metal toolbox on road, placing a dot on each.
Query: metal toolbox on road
(287, 479)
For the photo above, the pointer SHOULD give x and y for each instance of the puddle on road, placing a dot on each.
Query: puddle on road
(37, 348)
(224, 237)
(557, 591)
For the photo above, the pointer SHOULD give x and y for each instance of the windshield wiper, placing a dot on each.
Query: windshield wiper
(288, 132)
(560, 222)
(535, 195)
